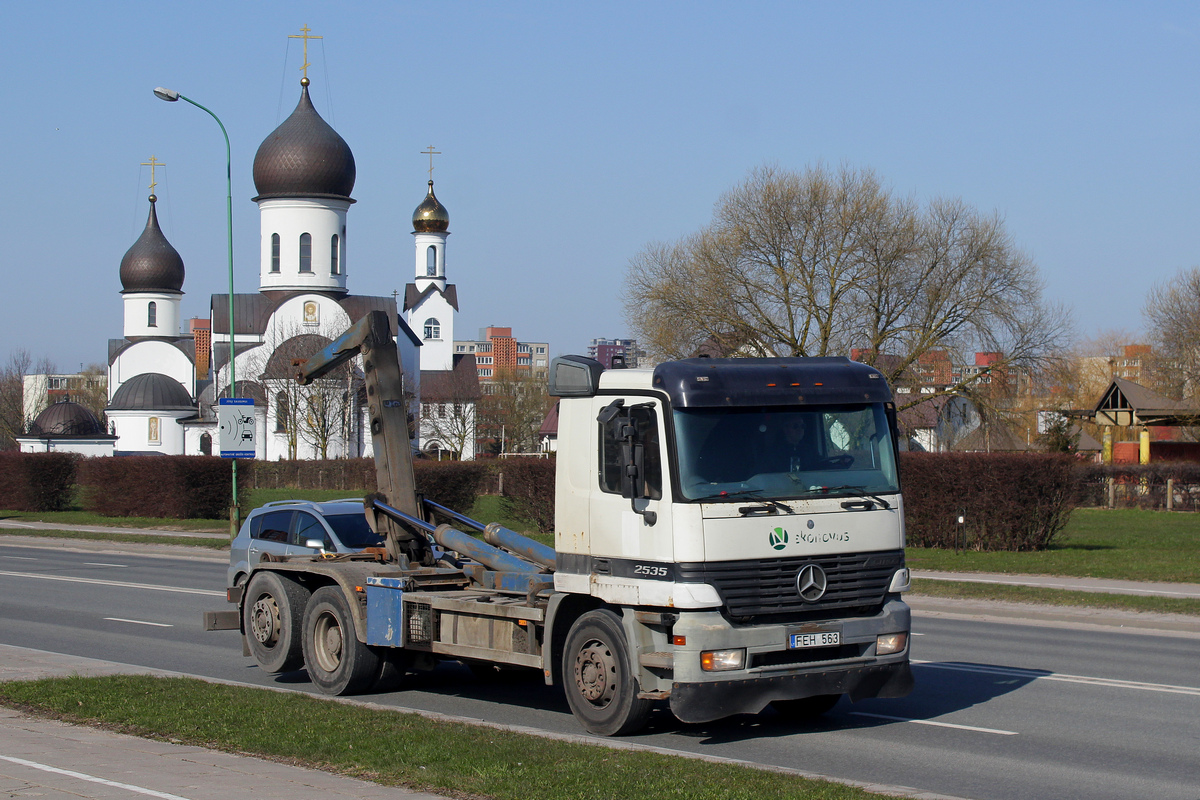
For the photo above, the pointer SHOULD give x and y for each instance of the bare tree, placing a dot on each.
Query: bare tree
(318, 415)
(822, 263)
(449, 406)
(1172, 314)
(13, 420)
(511, 410)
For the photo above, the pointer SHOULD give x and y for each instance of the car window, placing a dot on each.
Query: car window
(309, 527)
(275, 526)
(353, 530)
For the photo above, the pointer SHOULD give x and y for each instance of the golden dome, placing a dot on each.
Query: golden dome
(431, 216)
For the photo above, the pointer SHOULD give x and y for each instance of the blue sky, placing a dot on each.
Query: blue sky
(574, 134)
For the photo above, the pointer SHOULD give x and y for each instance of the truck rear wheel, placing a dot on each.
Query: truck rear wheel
(598, 677)
(337, 662)
(806, 707)
(271, 616)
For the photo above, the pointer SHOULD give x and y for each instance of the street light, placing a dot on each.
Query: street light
(170, 95)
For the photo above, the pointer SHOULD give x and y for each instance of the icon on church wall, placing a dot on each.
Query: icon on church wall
(311, 313)
(152, 431)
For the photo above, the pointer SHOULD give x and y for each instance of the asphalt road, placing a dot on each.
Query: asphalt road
(1001, 710)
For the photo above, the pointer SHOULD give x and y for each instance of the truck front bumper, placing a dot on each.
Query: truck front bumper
(774, 673)
(705, 702)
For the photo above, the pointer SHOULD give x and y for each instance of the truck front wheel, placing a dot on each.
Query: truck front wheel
(271, 615)
(598, 677)
(337, 662)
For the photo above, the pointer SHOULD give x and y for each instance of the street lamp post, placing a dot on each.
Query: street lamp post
(171, 96)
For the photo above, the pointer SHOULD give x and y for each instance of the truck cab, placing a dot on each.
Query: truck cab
(750, 507)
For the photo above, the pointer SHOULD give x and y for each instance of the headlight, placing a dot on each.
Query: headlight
(901, 581)
(717, 660)
(890, 643)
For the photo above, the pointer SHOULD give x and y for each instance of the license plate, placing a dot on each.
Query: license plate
(799, 641)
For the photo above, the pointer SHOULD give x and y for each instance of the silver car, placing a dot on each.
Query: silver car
(299, 527)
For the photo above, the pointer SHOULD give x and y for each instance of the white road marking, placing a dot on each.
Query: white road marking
(93, 779)
(102, 564)
(938, 724)
(21, 558)
(1036, 675)
(122, 584)
(140, 622)
(15, 525)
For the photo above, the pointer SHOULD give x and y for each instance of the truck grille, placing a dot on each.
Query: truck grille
(767, 586)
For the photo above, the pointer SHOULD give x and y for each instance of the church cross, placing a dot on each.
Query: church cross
(431, 153)
(304, 31)
(152, 163)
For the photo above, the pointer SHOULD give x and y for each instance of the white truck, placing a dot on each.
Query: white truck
(729, 535)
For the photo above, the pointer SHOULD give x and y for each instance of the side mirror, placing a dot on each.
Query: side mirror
(315, 544)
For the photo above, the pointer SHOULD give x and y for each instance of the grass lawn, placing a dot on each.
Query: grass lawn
(1127, 544)
(399, 749)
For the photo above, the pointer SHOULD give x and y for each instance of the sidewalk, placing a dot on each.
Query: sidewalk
(1080, 617)
(1106, 585)
(28, 525)
(48, 759)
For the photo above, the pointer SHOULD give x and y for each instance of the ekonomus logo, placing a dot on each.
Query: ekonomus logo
(778, 538)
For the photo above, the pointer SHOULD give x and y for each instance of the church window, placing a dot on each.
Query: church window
(152, 315)
(335, 267)
(306, 252)
(431, 261)
(274, 252)
(433, 329)
(281, 412)
(205, 444)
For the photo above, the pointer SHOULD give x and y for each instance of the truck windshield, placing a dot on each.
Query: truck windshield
(782, 452)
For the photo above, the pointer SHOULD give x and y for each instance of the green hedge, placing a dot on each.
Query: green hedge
(1008, 501)
(181, 487)
(37, 481)
(529, 490)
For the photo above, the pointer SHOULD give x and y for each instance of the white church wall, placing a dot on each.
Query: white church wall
(153, 432)
(152, 356)
(437, 350)
(138, 316)
(291, 217)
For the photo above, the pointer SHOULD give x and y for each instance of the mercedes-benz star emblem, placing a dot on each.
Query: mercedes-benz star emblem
(811, 583)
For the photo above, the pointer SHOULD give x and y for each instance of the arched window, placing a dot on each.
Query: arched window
(433, 329)
(306, 252)
(274, 252)
(431, 261)
(205, 444)
(281, 412)
(335, 266)
(152, 315)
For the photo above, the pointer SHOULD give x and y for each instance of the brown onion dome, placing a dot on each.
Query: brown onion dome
(152, 264)
(304, 157)
(431, 216)
(66, 419)
(151, 391)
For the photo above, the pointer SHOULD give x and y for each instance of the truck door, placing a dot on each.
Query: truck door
(621, 527)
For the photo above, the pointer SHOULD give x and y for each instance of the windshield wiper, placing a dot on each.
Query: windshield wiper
(861, 491)
(743, 494)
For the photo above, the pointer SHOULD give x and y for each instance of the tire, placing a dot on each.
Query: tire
(337, 662)
(598, 677)
(806, 707)
(272, 612)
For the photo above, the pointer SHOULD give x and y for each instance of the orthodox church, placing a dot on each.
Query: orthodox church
(159, 402)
